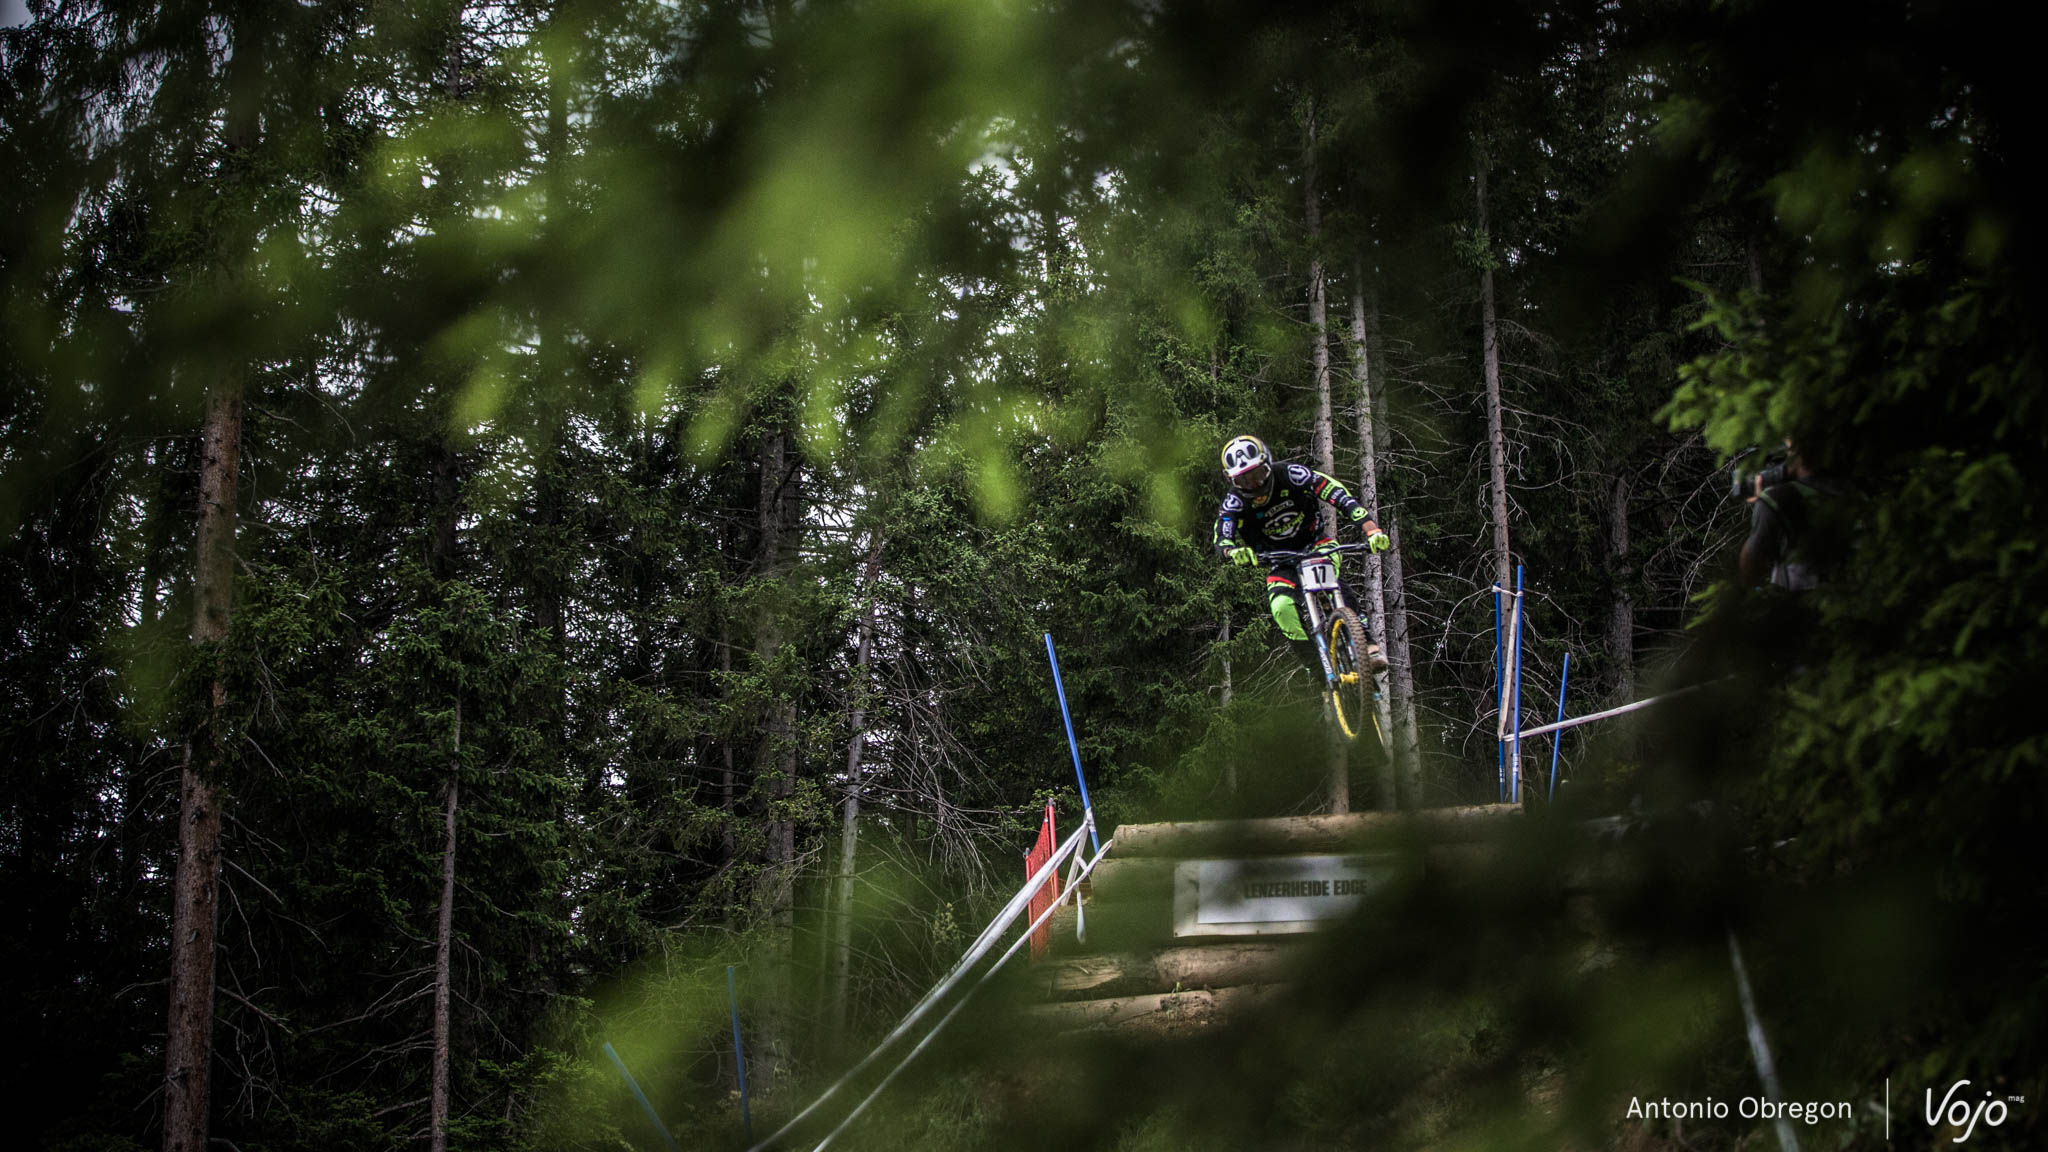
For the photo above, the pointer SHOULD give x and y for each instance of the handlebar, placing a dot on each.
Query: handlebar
(1312, 552)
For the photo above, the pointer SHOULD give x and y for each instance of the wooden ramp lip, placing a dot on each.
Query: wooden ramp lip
(1141, 879)
(1173, 967)
(1309, 834)
(1158, 1015)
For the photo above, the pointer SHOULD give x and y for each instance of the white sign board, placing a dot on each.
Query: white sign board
(1271, 895)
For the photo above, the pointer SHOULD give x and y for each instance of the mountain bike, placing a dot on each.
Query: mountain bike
(1353, 684)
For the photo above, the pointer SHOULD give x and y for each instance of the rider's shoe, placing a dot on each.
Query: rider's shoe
(1376, 658)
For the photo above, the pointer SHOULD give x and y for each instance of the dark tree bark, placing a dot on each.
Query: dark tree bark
(1338, 779)
(1496, 430)
(1386, 786)
(841, 957)
(1229, 689)
(444, 942)
(775, 764)
(1402, 732)
(1407, 735)
(1621, 619)
(188, 1047)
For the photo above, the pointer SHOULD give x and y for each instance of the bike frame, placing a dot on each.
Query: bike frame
(1314, 599)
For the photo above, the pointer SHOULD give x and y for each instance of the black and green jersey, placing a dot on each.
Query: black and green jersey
(1287, 518)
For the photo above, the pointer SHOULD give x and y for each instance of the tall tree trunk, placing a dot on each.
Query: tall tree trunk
(728, 775)
(451, 76)
(447, 482)
(443, 559)
(849, 846)
(1496, 431)
(776, 759)
(1338, 779)
(155, 542)
(444, 944)
(441, 544)
(841, 961)
(1047, 192)
(1319, 321)
(447, 520)
(548, 586)
(1386, 790)
(1229, 688)
(1405, 735)
(188, 1045)
(188, 1048)
(155, 547)
(1621, 617)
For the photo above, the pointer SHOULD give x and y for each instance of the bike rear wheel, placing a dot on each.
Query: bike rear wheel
(1352, 694)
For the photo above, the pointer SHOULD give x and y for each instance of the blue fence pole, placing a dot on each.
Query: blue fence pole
(1499, 702)
(739, 1055)
(1515, 794)
(642, 1097)
(1073, 745)
(1563, 681)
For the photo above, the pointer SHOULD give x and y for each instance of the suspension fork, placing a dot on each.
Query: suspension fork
(1311, 603)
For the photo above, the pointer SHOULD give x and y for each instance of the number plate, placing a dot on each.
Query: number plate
(1318, 575)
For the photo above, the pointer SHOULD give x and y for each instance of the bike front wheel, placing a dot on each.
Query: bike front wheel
(1353, 687)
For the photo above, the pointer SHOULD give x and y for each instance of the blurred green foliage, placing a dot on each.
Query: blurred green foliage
(606, 366)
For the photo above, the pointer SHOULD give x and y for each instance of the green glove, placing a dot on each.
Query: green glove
(1378, 542)
(1242, 556)
(1358, 514)
(1328, 551)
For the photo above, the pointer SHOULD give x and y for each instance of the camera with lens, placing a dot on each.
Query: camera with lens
(1749, 477)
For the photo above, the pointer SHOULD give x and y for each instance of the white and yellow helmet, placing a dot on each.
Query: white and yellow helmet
(1248, 465)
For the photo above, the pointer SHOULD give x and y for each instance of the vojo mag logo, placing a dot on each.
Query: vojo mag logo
(1959, 1112)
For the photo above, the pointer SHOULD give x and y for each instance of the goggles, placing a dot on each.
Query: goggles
(1252, 479)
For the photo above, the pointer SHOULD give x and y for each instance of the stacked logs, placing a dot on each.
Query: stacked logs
(1139, 972)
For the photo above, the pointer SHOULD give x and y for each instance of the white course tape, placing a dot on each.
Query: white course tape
(964, 998)
(980, 948)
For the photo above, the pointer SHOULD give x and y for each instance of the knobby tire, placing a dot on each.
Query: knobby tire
(1352, 695)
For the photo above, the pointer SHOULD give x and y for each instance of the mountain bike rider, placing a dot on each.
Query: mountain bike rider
(1273, 505)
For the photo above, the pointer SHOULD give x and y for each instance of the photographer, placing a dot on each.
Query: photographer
(1791, 518)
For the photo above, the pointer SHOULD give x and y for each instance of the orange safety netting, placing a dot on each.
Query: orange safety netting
(1048, 842)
